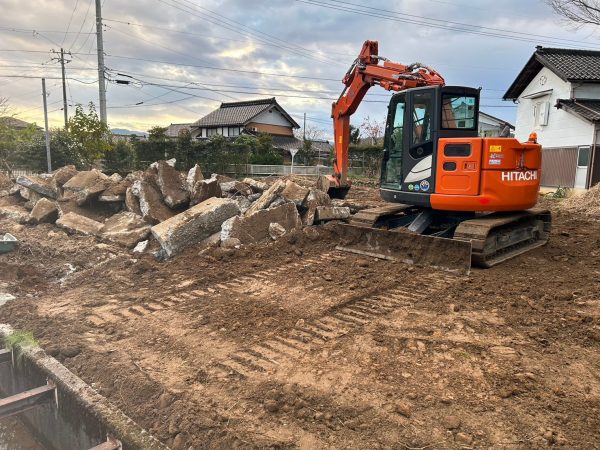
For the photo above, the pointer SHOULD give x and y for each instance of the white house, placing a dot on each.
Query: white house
(558, 97)
(491, 126)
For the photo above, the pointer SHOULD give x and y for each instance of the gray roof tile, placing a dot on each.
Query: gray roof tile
(588, 109)
(568, 64)
(239, 113)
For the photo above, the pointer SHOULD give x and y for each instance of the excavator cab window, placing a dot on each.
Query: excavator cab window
(392, 164)
(459, 111)
(421, 143)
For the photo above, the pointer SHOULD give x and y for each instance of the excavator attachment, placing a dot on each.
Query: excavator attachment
(405, 246)
(483, 241)
(331, 185)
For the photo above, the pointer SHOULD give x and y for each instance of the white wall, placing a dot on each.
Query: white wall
(564, 129)
(272, 118)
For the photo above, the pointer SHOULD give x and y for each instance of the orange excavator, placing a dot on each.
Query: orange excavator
(455, 198)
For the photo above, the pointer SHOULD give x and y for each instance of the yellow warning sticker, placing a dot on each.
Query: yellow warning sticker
(495, 149)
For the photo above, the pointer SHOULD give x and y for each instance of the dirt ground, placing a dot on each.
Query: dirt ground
(294, 344)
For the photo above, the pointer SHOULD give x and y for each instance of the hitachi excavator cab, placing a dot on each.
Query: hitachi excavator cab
(416, 120)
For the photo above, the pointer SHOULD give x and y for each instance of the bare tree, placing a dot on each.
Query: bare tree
(373, 129)
(582, 12)
(312, 133)
(4, 106)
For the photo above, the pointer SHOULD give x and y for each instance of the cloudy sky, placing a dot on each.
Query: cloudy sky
(182, 58)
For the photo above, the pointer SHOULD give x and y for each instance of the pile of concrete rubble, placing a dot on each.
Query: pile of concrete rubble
(176, 209)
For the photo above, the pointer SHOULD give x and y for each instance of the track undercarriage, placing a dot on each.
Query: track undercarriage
(446, 240)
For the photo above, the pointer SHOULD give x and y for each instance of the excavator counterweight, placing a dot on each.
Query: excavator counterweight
(451, 190)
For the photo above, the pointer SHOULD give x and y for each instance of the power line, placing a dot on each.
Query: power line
(69, 23)
(87, 12)
(238, 27)
(414, 21)
(444, 21)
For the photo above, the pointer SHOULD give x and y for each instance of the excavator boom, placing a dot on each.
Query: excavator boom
(367, 70)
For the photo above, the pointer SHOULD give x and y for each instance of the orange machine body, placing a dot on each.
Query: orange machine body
(496, 174)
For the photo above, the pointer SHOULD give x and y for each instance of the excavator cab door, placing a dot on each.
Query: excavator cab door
(410, 141)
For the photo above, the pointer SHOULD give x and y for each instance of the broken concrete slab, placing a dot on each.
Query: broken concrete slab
(132, 203)
(194, 225)
(151, 205)
(323, 183)
(194, 176)
(62, 175)
(172, 185)
(325, 213)
(37, 184)
(276, 231)
(141, 247)
(255, 227)
(15, 213)
(171, 162)
(125, 228)
(44, 211)
(293, 192)
(86, 186)
(267, 197)
(257, 186)
(115, 178)
(75, 223)
(236, 187)
(115, 192)
(205, 189)
(315, 199)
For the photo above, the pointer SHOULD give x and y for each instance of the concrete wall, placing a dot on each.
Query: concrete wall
(83, 417)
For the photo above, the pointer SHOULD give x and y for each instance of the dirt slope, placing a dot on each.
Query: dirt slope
(297, 345)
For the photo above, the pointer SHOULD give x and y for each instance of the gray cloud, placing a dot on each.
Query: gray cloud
(272, 36)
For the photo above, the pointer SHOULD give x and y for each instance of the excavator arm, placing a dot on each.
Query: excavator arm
(365, 72)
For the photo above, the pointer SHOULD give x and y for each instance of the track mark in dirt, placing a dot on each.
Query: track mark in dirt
(281, 349)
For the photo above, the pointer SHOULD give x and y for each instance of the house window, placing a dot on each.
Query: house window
(540, 113)
(234, 131)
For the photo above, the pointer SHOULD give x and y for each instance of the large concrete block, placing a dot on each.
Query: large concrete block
(86, 186)
(194, 176)
(62, 175)
(15, 213)
(325, 213)
(151, 205)
(115, 191)
(205, 189)
(125, 228)
(257, 186)
(267, 197)
(132, 203)
(75, 223)
(37, 184)
(293, 192)
(44, 211)
(315, 199)
(255, 227)
(172, 185)
(194, 225)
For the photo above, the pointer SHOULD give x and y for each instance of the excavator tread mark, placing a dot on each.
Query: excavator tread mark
(501, 236)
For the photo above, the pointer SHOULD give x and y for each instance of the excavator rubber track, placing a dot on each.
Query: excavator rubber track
(501, 236)
(481, 241)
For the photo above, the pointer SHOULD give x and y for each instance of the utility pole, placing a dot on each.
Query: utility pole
(64, 83)
(304, 128)
(100, 47)
(48, 157)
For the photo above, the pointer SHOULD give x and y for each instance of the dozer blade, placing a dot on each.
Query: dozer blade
(407, 247)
